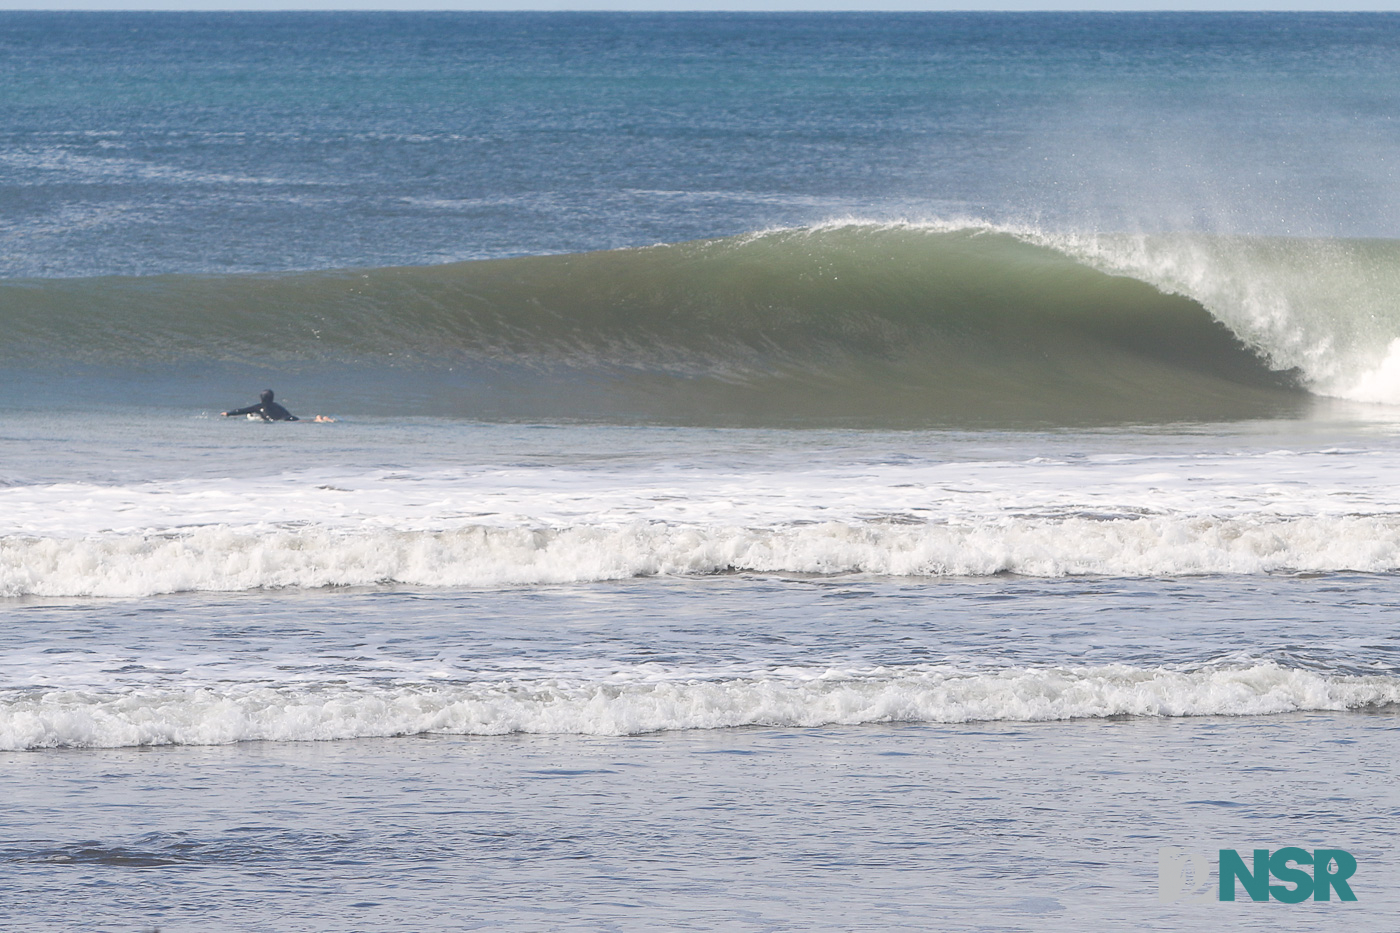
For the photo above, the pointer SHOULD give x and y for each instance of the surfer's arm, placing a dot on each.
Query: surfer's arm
(250, 410)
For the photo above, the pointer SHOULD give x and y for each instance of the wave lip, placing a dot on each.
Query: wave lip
(796, 698)
(233, 559)
(1324, 309)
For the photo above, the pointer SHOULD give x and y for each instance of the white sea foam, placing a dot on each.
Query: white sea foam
(226, 559)
(786, 697)
(1251, 512)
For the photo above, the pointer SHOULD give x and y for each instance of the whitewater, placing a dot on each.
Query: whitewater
(919, 513)
(630, 705)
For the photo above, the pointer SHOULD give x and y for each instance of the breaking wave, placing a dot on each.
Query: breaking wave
(782, 697)
(860, 322)
(233, 559)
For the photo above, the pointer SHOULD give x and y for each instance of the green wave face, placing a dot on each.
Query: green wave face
(854, 324)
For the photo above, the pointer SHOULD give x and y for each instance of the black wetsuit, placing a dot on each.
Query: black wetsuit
(267, 410)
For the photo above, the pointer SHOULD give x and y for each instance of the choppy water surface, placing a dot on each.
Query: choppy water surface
(671, 738)
(806, 818)
(648, 656)
(1003, 826)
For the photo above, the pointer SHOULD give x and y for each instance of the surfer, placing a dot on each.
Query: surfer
(266, 409)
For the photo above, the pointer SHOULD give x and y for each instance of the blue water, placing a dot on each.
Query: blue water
(154, 143)
(1026, 504)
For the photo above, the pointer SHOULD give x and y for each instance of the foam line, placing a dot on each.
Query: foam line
(229, 559)
(796, 698)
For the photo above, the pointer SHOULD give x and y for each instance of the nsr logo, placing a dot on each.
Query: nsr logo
(1184, 875)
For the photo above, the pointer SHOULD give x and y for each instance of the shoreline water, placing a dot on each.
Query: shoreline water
(672, 655)
(1045, 827)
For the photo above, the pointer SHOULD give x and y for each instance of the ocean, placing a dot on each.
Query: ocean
(837, 472)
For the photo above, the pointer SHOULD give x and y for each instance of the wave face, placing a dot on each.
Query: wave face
(621, 706)
(848, 322)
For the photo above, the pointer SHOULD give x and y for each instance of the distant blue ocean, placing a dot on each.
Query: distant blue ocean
(774, 472)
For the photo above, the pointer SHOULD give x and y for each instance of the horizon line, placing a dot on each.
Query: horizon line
(98, 7)
(715, 6)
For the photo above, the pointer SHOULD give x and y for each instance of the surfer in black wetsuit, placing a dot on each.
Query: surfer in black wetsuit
(267, 409)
